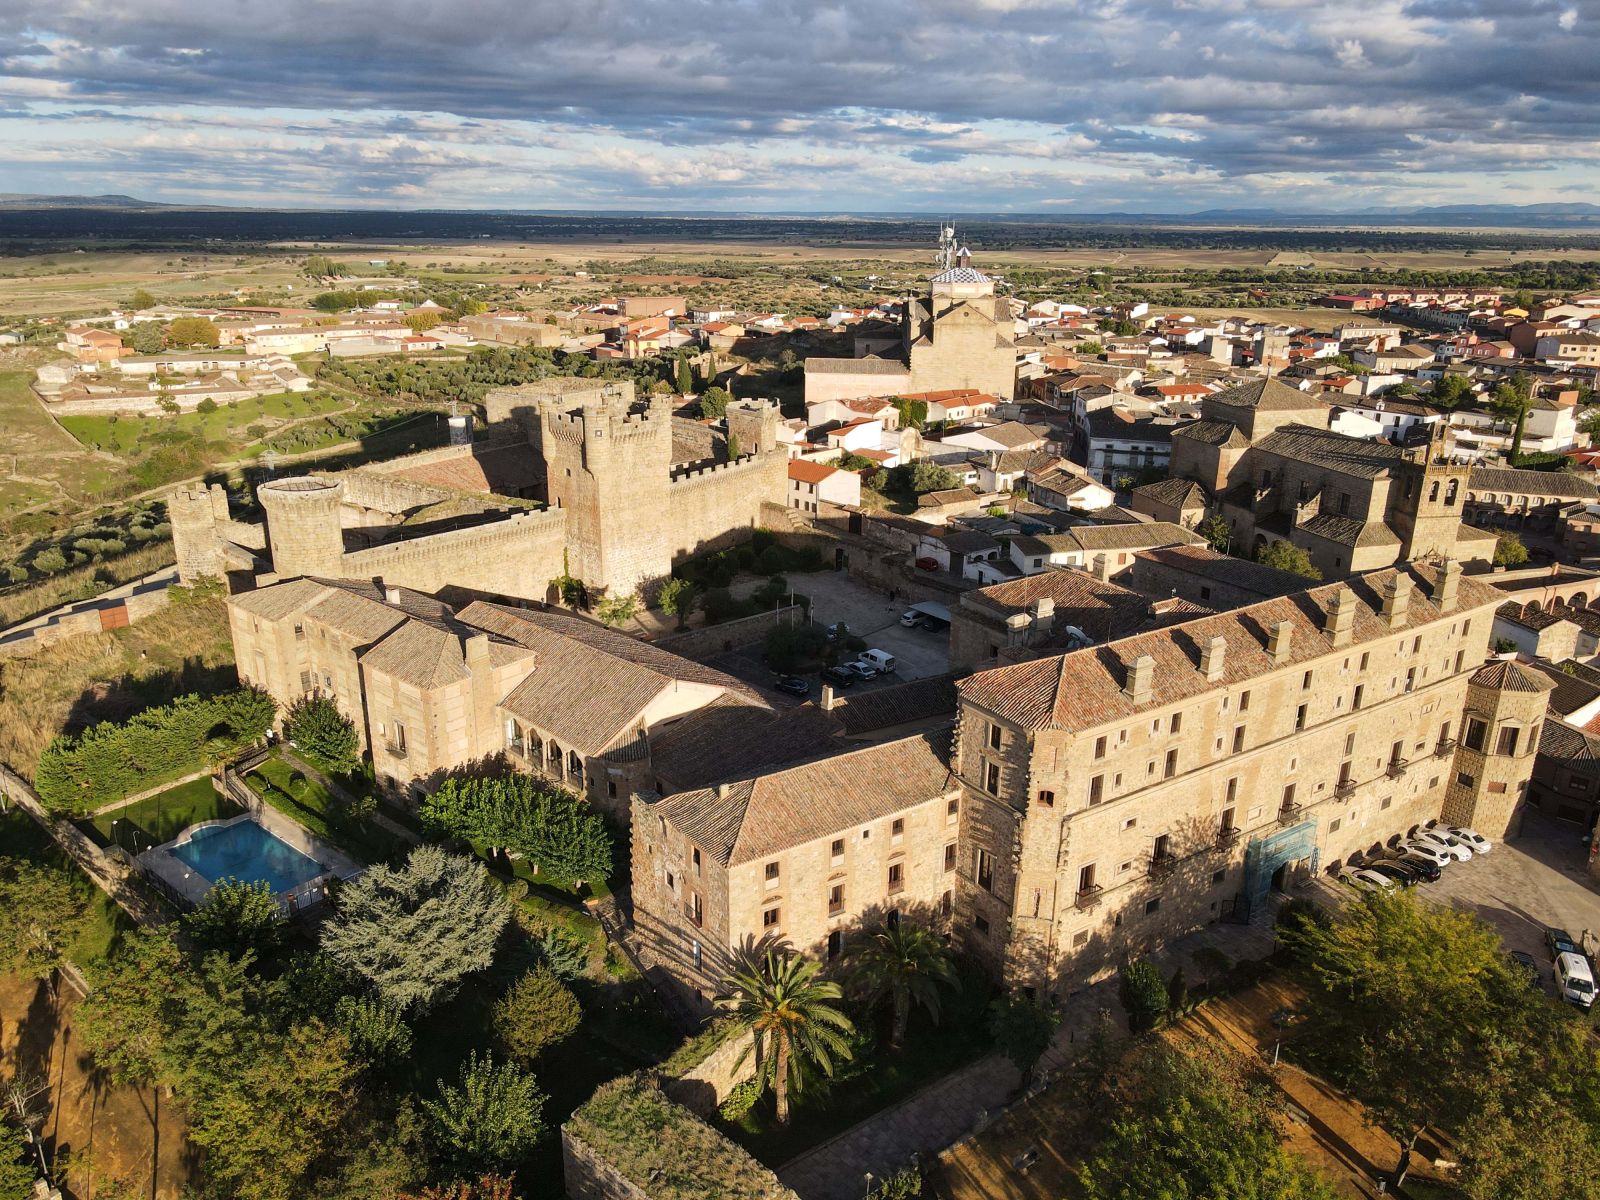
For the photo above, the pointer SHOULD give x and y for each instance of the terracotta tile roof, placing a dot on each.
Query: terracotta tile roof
(734, 738)
(947, 496)
(1572, 691)
(1264, 581)
(1331, 451)
(1084, 689)
(428, 656)
(1347, 531)
(1213, 433)
(810, 472)
(1532, 483)
(908, 703)
(278, 600)
(1101, 609)
(755, 818)
(1142, 535)
(590, 686)
(855, 366)
(1508, 675)
(1265, 395)
(1180, 493)
(1576, 749)
(1529, 616)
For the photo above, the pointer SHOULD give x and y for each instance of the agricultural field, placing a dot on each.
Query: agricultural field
(76, 282)
(241, 425)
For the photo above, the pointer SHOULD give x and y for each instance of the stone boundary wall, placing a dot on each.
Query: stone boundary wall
(707, 1084)
(588, 1176)
(712, 640)
(85, 622)
(384, 493)
(515, 557)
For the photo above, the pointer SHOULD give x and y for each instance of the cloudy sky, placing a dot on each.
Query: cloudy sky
(782, 105)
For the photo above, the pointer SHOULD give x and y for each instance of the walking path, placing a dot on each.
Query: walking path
(967, 1100)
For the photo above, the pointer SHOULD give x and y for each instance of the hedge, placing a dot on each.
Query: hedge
(79, 773)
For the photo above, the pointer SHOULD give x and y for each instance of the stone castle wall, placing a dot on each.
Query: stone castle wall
(718, 506)
(517, 557)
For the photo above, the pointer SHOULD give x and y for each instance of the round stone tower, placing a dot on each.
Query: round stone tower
(303, 530)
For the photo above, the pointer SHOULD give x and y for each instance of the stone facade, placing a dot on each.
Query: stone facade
(1499, 740)
(1172, 779)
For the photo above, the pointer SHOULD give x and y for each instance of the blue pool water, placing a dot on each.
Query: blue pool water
(247, 852)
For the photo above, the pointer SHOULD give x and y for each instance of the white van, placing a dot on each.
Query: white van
(1574, 980)
(881, 659)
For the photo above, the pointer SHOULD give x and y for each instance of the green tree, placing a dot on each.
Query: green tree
(127, 1016)
(1022, 1028)
(489, 1120)
(1143, 994)
(733, 445)
(42, 913)
(1414, 1010)
(1286, 556)
(535, 1013)
(792, 1018)
(906, 966)
(421, 322)
(315, 724)
(617, 610)
(1217, 533)
(1192, 1123)
(236, 917)
(1509, 550)
(913, 413)
(922, 476)
(193, 331)
(1512, 401)
(414, 932)
(146, 337)
(1589, 422)
(714, 403)
(377, 1035)
(678, 598)
(17, 1171)
(140, 300)
(685, 376)
(1451, 390)
(564, 839)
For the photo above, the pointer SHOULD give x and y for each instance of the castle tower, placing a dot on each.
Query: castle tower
(608, 463)
(1431, 497)
(303, 531)
(1499, 738)
(754, 425)
(195, 514)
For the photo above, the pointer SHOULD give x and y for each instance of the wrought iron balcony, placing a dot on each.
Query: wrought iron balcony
(1290, 814)
(1088, 897)
(1444, 747)
(1228, 838)
(1162, 865)
(1396, 768)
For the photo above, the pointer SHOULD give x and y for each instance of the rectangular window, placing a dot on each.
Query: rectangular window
(1177, 722)
(399, 736)
(1475, 734)
(1461, 657)
(1163, 847)
(1100, 747)
(1333, 825)
(1411, 678)
(836, 851)
(952, 810)
(772, 872)
(1355, 700)
(1097, 789)
(1151, 906)
(991, 778)
(1086, 878)
(1171, 767)
(950, 856)
(1507, 743)
(981, 924)
(1288, 797)
(1305, 682)
(1350, 743)
(1244, 701)
(769, 918)
(994, 737)
(694, 857)
(1416, 645)
(1397, 752)
(1238, 738)
(1464, 779)
(1228, 820)
(835, 943)
(696, 912)
(897, 828)
(1300, 716)
(985, 870)
(836, 899)
(1233, 789)
(1218, 876)
(1047, 798)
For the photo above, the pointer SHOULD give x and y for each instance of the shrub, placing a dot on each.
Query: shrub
(1143, 994)
(537, 1012)
(236, 917)
(316, 725)
(491, 1120)
(562, 837)
(565, 954)
(79, 773)
(741, 1099)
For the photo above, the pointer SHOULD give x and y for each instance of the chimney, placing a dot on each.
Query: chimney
(1102, 567)
(476, 651)
(828, 701)
(1141, 679)
(1278, 642)
(1044, 613)
(723, 789)
(1397, 599)
(392, 595)
(1340, 624)
(1444, 591)
(1211, 658)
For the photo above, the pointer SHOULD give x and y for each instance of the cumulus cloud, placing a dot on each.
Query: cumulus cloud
(1165, 105)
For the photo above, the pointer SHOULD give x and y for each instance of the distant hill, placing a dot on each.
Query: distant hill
(29, 200)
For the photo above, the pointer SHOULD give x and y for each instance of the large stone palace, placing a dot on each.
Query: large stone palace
(576, 477)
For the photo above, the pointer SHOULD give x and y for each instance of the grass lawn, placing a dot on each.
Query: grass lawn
(166, 815)
(309, 803)
(230, 423)
(21, 837)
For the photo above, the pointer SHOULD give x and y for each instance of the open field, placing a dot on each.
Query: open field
(39, 461)
(236, 423)
(77, 282)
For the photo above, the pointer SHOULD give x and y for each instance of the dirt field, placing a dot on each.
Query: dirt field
(1325, 1128)
(111, 1137)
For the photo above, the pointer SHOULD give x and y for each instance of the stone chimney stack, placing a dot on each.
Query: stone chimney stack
(475, 650)
(1212, 655)
(1279, 641)
(1444, 591)
(1044, 614)
(1102, 567)
(391, 595)
(828, 698)
(1340, 625)
(1397, 600)
(1141, 679)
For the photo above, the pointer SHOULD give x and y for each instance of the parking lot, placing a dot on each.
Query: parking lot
(1521, 887)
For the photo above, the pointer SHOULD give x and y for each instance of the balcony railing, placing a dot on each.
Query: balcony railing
(394, 751)
(1396, 768)
(1088, 897)
(1289, 814)
(1345, 788)
(1444, 747)
(1228, 838)
(1162, 865)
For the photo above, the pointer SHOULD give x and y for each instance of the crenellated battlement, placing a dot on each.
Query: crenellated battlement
(751, 465)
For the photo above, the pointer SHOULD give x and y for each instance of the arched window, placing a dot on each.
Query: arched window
(1450, 493)
(1433, 492)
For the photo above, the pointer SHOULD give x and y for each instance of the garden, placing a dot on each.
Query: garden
(160, 818)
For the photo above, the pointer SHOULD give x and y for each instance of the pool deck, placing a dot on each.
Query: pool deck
(191, 887)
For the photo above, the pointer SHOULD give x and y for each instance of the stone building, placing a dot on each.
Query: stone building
(431, 689)
(1124, 795)
(1269, 464)
(574, 478)
(1051, 611)
(957, 335)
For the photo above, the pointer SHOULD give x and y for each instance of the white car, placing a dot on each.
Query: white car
(1454, 847)
(1471, 838)
(1367, 881)
(1437, 855)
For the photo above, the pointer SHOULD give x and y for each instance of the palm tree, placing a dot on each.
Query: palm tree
(907, 965)
(776, 995)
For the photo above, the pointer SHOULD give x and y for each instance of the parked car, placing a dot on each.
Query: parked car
(1402, 875)
(1527, 964)
(792, 684)
(1471, 838)
(1453, 847)
(881, 659)
(1574, 980)
(1437, 855)
(1427, 870)
(1559, 942)
(863, 668)
(930, 625)
(840, 676)
(1365, 879)
(927, 564)
(910, 617)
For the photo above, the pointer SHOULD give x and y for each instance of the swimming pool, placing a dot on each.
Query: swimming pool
(245, 851)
